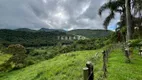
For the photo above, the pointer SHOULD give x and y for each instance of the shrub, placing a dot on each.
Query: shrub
(18, 56)
(134, 42)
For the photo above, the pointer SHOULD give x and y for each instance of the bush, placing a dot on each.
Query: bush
(5, 67)
(135, 42)
(18, 57)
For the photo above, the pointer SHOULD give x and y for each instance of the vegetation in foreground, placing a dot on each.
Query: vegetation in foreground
(64, 67)
(69, 66)
(119, 69)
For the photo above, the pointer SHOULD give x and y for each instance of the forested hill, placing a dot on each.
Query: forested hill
(29, 38)
(25, 29)
(46, 37)
(90, 33)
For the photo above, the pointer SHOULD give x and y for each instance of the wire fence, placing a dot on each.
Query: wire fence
(89, 71)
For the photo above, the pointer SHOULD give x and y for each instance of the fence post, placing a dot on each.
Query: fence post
(140, 52)
(104, 63)
(127, 54)
(89, 65)
(107, 54)
(85, 73)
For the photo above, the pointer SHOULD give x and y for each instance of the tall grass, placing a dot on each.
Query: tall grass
(67, 66)
(119, 69)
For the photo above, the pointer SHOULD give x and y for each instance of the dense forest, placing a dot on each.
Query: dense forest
(42, 37)
(28, 38)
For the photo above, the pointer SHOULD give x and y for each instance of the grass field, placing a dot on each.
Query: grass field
(69, 67)
(119, 69)
(4, 57)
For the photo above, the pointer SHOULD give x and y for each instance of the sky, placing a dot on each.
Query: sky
(53, 14)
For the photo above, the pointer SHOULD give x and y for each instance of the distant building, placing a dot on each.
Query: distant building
(75, 37)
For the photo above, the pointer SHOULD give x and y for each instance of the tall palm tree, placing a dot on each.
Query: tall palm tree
(128, 19)
(117, 6)
(124, 7)
(136, 6)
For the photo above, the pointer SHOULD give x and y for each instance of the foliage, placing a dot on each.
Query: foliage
(115, 6)
(135, 42)
(18, 57)
(119, 70)
(63, 67)
(91, 33)
(88, 44)
(69, 67)
(118, 6)
(29, 38)
(4, 57)
(36, 55)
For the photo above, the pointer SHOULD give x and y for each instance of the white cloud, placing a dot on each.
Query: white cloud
(59, 14)
(45, 1)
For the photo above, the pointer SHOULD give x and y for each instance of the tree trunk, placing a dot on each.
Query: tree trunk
(128, 20)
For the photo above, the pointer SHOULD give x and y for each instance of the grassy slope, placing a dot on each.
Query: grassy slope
(120, 70)
(4, 57)
(69, 67)
(63, 67)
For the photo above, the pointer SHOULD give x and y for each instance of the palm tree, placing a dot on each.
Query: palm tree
(128, 19)
(117, 6)
(137, 8)
(123, 7)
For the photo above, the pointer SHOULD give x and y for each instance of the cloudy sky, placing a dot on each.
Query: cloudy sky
(54, 14)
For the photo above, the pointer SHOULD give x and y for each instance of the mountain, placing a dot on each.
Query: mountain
(29, 38)
(89, 33)
(42, 29)
(51, 30)
(44, 36)
(25, 29)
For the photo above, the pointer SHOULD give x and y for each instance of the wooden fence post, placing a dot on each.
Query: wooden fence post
(85, 73)
(104, 63)
(107, 54)
(127, 54)
(89, 65)
(140, 52)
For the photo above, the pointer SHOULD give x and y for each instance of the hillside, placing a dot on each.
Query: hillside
(4, 57)
(25, 29)
(29, 38)
(43, 37)
(51, 30)
(90, 33)
(119, 69)
(63, 67)
(69, 67)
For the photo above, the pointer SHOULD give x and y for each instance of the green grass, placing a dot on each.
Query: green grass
(67, 66)
(119, 69)
(4, 57)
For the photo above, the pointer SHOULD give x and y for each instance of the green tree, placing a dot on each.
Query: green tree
(18, 51)
(117, 6)
(125, 8)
